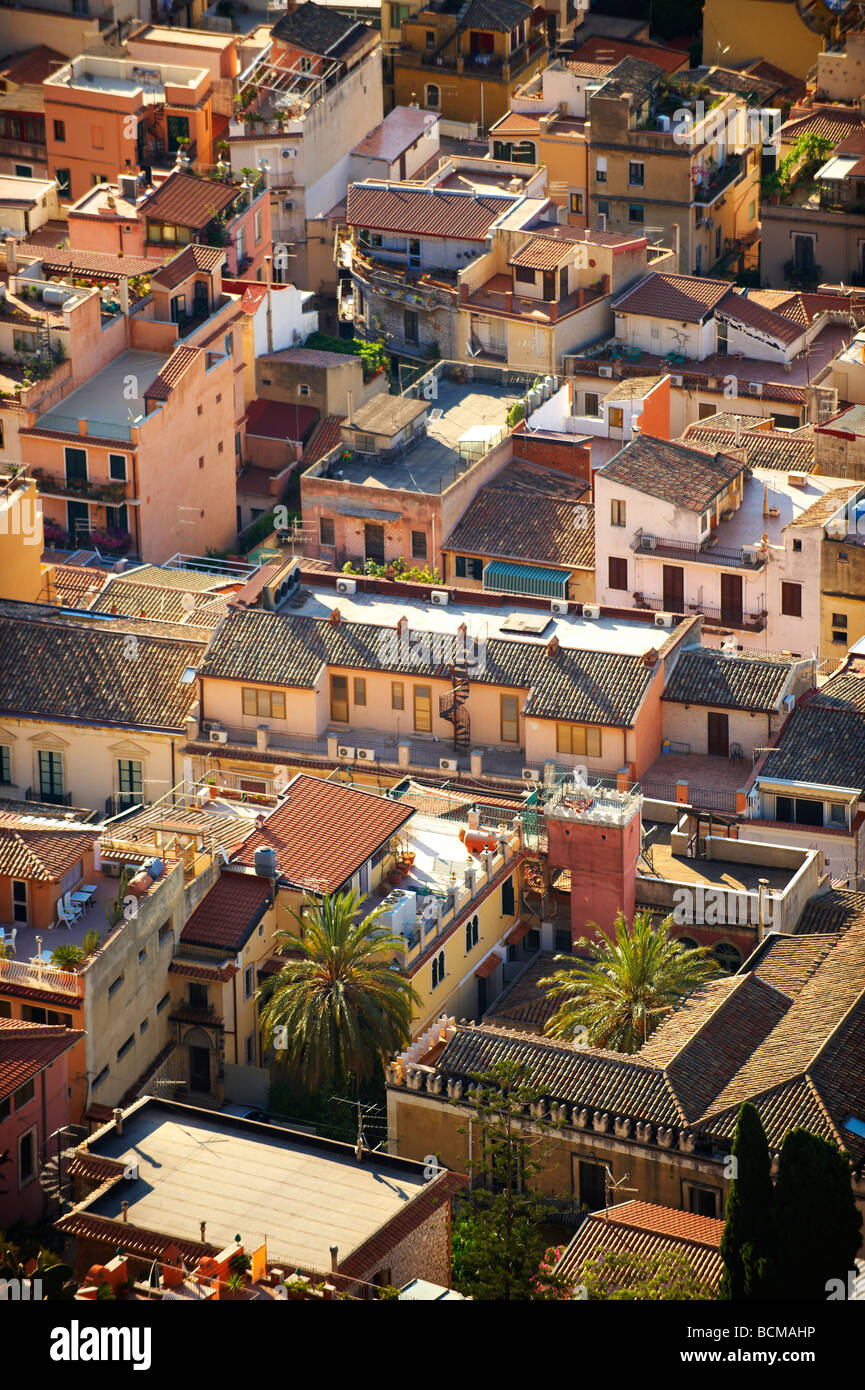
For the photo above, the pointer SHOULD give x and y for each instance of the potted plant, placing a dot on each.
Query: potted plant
(66, 957)
(233, 1288)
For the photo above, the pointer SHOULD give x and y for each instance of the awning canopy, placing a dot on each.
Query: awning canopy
(509, 578)
(517, 933)
(486, 967)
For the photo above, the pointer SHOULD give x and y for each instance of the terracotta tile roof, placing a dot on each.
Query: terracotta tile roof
(74, 582)
(779, 449)
(600, 49)
(632, 388)
(26, 1049)
(523, 1004)
(646, 1230)
(162, 603)
(279, 419)
(517, 123)
(849, 422)
(786, 82)
(213, 973)
(825, 507)
(56, 669)
(314, 28)
(399, 130)
(833, 122)
(688, 298)
(707, 677)
(503, 15)
(831, 912)
(820, 744)
(46, 997)
(543, 253)
(96, 263)
(787, 963)
(324, 832)
(134, 1239)
(228, 912)
(672, 472)
(53, 234)
(308, 357)
(325, 437)
(188, 201)
(281, 649)
(634, 78)
(751, 314)
(30, 68)
(527, 513)
(186, 263)
(425, 212)
(43, 855)
(588, 69)
(175, 367)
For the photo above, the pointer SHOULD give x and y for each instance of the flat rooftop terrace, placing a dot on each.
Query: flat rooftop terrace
(712, 873)
(436, 460)
(241, 1176)
(630, 637)
(102, 398)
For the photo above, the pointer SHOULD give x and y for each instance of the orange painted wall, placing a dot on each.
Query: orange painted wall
(602, 859)
(113, 235)
(655, 417)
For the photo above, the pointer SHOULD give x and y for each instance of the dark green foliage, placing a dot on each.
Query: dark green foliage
(748, 1242)
(819, 1224)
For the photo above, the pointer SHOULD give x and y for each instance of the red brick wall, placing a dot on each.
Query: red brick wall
(572, 459)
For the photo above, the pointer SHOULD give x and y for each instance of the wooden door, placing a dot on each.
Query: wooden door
(731, 599)
(718, 735)
(674, 589)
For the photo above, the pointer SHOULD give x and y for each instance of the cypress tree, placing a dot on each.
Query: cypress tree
(819, 1224)
(748, 1241)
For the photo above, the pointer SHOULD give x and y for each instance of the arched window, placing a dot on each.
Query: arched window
(727, 957)
(433, 96)
(686, 941)
(435, 971)
(475, 930)
(503, 149)
(441, 966)
(524, 152)
(468, 936)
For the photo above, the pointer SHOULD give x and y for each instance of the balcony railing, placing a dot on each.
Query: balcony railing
(99, 429)
(51, 484)
(38, 976)
(707, 191)
(703, 552)
(715, 617)
(803, 275)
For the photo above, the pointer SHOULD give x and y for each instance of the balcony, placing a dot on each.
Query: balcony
(708, 190)
(706, 552)
(40, 976)
(800, 275)
(56, 485)
(714, 617)
(404, 284)
(497, 296)
(96, 429)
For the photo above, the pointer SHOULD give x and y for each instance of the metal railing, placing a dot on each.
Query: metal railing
(701, 551)
(40, 976)
(99, 429)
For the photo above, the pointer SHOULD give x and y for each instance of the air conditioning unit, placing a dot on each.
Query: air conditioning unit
(605, 371)
(789, 703)
(439, 596)
(591, 610)
(663, 620)
(448, 765)
(366, 755)
(218, 736)
(560, 606)
(346, 586)
(755, 388)
(677, 381)
(531, 774)
(343, 751)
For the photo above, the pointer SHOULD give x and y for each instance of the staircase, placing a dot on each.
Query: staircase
(452, 706)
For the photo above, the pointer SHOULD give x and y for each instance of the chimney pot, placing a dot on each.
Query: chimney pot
(125, 1209)
(203, 1229)
(118, 1121)
(334, 1252)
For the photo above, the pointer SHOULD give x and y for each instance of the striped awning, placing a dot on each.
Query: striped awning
(509, 578)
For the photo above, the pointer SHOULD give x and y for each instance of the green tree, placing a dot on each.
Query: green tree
(819, 1224)
(748, 1244)
(629, 982)
(622, 1275)
(340, 1007)
(497, 1241)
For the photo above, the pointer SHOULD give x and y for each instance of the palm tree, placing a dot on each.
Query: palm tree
(341, 1006)
(629, 982)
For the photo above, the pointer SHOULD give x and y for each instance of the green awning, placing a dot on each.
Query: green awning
(509, 578)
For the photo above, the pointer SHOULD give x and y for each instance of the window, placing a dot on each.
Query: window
(229, 344)
(603, 206)
(339, 699)
(164, 1001)
(27, 1157)
(706, 409)
(601, 169)
(50, 777)
(115, 985)
(617, 512)
(24, 1094)
(705, 519)
(248, 982)
(616, 419)
(305, 64)
(303, 389)
(524, 274)
(791, 600)
(60, 132)
(579, 739)
(797, 547)
(655, 330)
(97, 179)
(117, 468)
(32, 1013)
(142, 955)
(398, 13)
(591, 404)
(103, 1075)
(411, 325)
(752, 211)
(509, 720)
(130, 783)
(576, 203)
(636, 212)
(249, 1047)
(432, 94)
(467, 567)
(837, 813)
(418, 545)
(472, 931)
(144, 1025)
(508, 900)
(617, 572)
(423, 709)
(839, 628)
(397, 695)
(265, 704)
(360, 690)
(562, 941)
(199, 996)
(326, 531)
(365, 443)
(124, 1047)
(591, 1184)
(727, 957)
(164, 933)
(636, 173)
(62, 177)
(257, 224)
(5, 765)
(701, 1201)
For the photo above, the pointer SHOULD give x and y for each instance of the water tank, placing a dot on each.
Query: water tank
(54, 294)
(154, 867)
(265, 861)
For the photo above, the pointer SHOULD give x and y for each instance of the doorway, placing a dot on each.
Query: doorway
(373, 540)
(718, 735)
(731, 599)
(78, 522)
(674, 589)
(199, 1068)
(19, 902)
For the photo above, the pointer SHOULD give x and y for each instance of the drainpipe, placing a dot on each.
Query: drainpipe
(268, 271)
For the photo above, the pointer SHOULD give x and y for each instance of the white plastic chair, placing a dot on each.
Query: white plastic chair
(64, 917)
(8, 939)
(71, 910)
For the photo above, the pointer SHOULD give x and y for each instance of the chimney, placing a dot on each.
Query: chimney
(203, 1225)
(335, 617)
(350, 403)
(124, 1207)
(553, 645)
(762, 893)
(118, 1121)
(11, 255)
(765, 500)
(334, 1252)
(402, 628)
